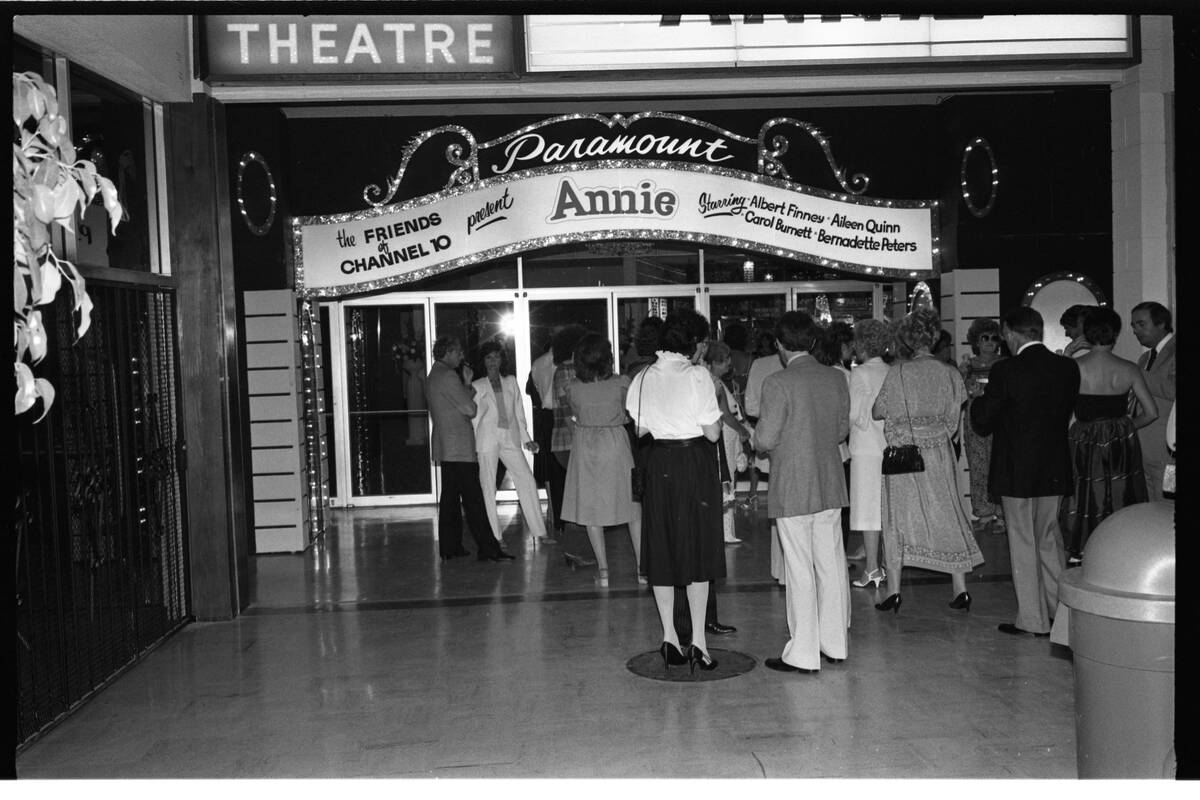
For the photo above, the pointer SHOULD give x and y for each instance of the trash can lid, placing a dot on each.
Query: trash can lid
(1129, 568)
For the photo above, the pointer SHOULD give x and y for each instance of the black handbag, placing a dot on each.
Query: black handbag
(900, 459)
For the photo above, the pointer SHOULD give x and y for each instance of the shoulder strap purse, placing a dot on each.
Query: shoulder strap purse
(637, 476)
(900, 459)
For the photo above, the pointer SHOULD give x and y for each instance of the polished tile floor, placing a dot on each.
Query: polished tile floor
(365, 656)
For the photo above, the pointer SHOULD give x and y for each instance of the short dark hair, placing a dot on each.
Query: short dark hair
(764, 341)
(681, 331)
(1159, 314)
(593, 358)
(736, 336)
(1101, 326)
(443, 345)
(1026, 321)
(1071, 316)
(646, 338)
(829, 341)
(494, 346)
(563, 343)
(796, 331)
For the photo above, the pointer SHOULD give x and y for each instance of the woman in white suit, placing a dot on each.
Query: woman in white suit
(500, 434)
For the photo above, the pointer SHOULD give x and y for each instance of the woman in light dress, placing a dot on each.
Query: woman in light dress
(872, 339)
(598, 489)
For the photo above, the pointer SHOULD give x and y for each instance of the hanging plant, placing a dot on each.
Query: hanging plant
(50, 187)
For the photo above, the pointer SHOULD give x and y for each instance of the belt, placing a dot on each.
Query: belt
(677, 442)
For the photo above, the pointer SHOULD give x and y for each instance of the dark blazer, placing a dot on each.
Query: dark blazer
(1027, 407)
(452, 407)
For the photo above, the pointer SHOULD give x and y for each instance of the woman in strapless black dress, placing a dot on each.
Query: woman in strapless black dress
(1105, 451)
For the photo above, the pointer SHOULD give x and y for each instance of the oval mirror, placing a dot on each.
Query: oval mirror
(1051, 295)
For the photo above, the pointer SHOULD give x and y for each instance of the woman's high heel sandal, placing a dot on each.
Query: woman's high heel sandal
(875, 576)
(892, 603)
(672, 656)
(963, 601)
(698, 658)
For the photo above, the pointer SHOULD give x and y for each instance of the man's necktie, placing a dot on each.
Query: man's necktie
(1150, 360)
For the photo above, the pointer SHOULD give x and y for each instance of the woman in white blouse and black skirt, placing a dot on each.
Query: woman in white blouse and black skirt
(682, 539)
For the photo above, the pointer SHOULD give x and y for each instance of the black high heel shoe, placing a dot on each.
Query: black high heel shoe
(672, 656)
(892, 603)
(963, 601)
(698, 658)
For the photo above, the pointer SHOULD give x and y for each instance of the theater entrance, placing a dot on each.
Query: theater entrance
(377, 350)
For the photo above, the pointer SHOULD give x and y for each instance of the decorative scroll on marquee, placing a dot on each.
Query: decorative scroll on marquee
(466, 170)
(650, 193)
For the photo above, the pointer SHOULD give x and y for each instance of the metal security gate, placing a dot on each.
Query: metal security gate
(101, 561)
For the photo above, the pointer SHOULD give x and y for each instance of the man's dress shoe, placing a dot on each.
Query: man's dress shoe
(1013, 630)
(717, 629)
(499, 555)
(779, 665)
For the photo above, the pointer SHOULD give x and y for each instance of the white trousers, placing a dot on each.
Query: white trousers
(522, 476)
(818, 594)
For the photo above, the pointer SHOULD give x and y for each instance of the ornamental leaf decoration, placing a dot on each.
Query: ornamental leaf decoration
(50, 187)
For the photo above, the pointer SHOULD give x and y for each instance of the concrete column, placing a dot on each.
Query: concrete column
(1143, 187)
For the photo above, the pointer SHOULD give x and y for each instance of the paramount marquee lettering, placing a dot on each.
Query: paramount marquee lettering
(532, 147)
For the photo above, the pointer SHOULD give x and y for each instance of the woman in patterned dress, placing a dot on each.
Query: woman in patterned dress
(984, 338)
(924, 524)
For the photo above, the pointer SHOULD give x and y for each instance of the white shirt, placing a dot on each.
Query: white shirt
(543, 377)
(676, 398)
(760, 368)
(1027, 344)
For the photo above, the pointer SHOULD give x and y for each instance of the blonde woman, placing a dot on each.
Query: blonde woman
(872, 338)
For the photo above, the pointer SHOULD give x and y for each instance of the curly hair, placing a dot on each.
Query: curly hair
(443, 345)
(872, 337)
(918, 330)
(495, 346)
(717, 351)
(978, 328)
(593, 358)
(681, 331)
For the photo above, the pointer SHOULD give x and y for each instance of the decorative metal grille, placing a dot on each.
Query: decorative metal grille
(101, 562)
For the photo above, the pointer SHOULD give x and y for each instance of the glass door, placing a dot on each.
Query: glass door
(843, 301)
(633, 305)
(380, 360)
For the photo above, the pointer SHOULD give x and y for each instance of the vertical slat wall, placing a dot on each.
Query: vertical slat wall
(315, 435)
(967, 295)
(273, 369)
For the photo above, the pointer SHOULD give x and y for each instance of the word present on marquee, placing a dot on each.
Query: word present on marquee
(536, 208)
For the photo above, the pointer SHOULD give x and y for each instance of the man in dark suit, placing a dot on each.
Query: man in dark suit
(805, 413)
(1027, 407)
(452, 406)
(1151, 324)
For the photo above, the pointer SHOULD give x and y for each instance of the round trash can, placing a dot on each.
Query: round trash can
(1122, 634)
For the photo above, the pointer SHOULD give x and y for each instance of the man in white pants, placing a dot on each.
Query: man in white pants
(805, 414)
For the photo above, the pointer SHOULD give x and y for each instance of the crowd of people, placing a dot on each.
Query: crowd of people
(857, 427)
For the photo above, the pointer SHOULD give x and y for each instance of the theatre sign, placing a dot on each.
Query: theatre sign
(332, 47)
(648, 176)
